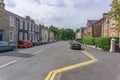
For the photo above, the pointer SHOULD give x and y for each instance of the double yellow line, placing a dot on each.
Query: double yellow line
(52, 74)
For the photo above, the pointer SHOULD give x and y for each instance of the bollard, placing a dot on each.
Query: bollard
(112, 46)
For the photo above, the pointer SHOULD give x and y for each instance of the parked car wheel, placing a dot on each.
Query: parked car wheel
(13, 49)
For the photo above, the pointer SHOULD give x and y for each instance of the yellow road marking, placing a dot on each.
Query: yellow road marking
(52, 74)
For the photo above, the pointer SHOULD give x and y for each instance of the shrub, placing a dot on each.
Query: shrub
(89, 41)
(79, 39)
(101, 42)
(104, 42)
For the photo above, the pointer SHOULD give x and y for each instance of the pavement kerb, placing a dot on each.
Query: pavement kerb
(52, 74)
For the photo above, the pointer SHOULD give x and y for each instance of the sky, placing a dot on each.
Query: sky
(60, 13)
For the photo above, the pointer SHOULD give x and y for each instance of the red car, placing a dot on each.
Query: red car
(24, 44)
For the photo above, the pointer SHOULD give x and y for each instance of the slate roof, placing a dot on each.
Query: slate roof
(91, 22)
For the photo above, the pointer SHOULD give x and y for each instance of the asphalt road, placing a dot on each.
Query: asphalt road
(35, 63)
(106, 68)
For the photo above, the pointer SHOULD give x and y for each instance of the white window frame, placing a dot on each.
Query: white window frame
(26, 28)
(12, 21)
(26, 36)
(38, 29)
(21, 24)
(112, 34)
(29, 26)
(113, 22)
(20, 36)
(38, 37)
(11, 38)
(30, 37)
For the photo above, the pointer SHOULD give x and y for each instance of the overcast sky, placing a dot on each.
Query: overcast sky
(61, 13)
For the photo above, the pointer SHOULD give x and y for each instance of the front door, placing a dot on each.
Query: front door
(1, 35)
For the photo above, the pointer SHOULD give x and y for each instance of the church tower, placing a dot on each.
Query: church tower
(2, 4)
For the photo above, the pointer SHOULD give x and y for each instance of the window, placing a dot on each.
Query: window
(11, 36)
(38, 37)
(33, 38)
(11, 21)
(26, 26)
(25, 36)
(113, 34)
(20, 36)
(113, 23)
(30, 37)
(29, 27)
(21, 24)
(33, 27)
(37, 28)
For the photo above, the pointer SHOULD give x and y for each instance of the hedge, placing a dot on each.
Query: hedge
(104, 42)
(101, 42)
(89, 41)
(79, 39)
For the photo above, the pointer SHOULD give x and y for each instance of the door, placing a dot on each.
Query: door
(1, 35)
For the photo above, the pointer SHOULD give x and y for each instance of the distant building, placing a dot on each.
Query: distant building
(88, 31)
(28, 30)
(95, 27)
(78, 35)
(82, 31)
(51, 35)
(44, 33)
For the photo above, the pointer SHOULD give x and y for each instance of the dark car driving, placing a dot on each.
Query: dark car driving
(5, 46)
(75, 45)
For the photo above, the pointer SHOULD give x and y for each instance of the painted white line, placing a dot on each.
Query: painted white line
(7, 64)
(38, 51)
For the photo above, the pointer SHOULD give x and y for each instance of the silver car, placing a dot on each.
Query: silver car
(6, 46)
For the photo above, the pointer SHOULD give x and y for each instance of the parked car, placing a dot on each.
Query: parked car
(44, 42)
(39, 42)
(75, 45)
(70, 42)
(24, 44)
(51, 41)
(5, 46)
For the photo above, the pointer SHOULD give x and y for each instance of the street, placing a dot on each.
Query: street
(35, 63)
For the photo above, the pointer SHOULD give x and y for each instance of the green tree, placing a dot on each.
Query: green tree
(115, 13)
(77, 30)
(66, 34)
(55, 30)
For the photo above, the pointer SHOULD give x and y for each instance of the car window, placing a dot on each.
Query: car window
(4, 43)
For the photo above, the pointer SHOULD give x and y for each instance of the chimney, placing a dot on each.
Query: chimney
(2, 4)
(105, 15)
(28, 18)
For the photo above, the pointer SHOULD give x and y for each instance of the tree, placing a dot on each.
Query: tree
(66, 34)
(115, 13)
(77, 30)
(55, 30)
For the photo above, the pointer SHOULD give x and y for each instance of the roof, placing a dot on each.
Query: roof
(91, 22)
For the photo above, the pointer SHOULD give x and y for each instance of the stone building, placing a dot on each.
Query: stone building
(44, 33)
(88, 31)
(8, 24)
(51, 35)
(78, 35)
(28, 30)
(94, 27)
(14, 28)
(97, 27)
